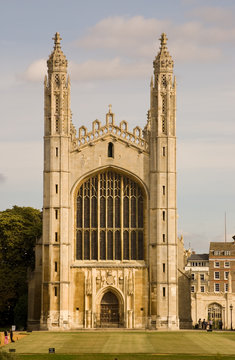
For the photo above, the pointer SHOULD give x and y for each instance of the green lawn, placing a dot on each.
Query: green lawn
(97, 345)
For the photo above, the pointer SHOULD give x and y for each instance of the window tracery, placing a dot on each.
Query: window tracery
(109, 218)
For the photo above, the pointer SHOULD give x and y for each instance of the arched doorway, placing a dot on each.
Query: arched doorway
(215, 314)
(109, 310)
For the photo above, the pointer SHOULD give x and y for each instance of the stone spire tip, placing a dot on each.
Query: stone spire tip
(163, 39)
(57, 39)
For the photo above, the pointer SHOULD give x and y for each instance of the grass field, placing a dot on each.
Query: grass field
(99, 345)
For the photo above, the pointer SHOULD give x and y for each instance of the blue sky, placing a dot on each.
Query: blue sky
(110, 46)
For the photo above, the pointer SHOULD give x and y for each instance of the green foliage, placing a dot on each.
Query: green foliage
(20, 311)
(7, 356)
(20, 227)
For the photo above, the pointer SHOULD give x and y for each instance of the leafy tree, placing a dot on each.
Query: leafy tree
(20, 227)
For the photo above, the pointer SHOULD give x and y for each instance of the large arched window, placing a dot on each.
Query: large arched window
(110, 224)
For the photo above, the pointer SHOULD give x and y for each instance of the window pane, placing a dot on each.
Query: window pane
(133, 212)
(110, 212)
(94, 212)
(79, 211)
(126, 245)
(86, 212)
(94, 249)
(140, 246)
(133, 245)
(110, 245)
(102, 246)
(126, 212)
(87, 245)
(102, 212)
(79, 246)
(140, 212)
(117, 245)
(117, 212)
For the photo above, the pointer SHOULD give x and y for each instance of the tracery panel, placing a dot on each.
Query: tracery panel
(109, 218)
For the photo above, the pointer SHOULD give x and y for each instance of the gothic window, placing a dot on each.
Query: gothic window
(110, 150)
(109, 219)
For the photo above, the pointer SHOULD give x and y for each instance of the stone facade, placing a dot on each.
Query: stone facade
(212, 279)
(109, 254)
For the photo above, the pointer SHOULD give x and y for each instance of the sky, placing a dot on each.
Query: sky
(110, 47)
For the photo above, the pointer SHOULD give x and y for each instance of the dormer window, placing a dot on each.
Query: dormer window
(110, 150)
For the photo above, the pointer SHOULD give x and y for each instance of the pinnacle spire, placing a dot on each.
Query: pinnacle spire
(163, 40)
(57, 60)
(57, 39)
(163, 61)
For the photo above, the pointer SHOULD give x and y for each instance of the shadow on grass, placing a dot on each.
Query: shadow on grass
(8, 356)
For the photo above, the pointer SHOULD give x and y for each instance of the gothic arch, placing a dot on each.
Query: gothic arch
(114, 239)
(112, 289)
(115, 168)
(119, 320)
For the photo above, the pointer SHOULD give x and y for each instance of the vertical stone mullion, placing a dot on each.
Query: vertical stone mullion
(137, 221)
(129, 227)
(83, 213)
(106, 218)
(90, 222)
(121, 216)
(98, 217)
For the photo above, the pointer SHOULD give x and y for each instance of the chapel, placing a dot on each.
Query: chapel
(108, 257)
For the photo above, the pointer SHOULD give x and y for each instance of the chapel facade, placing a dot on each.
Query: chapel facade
(108, 256)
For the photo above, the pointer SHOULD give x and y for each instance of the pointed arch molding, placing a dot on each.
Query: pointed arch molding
(117, 169)
(117, 292)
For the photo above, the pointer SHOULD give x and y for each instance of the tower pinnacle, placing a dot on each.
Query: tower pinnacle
(57, 39)
(163, 61)
(57, 61)
(163, 39)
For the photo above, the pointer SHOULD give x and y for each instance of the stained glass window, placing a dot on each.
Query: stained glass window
(109, 218)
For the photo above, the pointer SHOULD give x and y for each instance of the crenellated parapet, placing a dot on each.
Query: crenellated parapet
(121, 132)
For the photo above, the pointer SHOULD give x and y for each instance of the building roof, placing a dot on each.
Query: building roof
(222, 246)
(198, 257)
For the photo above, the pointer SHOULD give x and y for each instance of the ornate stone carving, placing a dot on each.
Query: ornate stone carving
(88, 285)
(136, 138)
(130, 284)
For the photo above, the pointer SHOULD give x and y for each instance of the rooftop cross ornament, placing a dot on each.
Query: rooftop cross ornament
(57, 39)
(163, 39)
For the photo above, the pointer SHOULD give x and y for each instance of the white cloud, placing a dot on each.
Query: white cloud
(126, 46)
(137, 35)
(93, 70)
(134, 35)
(35, 71)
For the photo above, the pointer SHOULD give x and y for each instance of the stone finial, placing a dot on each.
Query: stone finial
(110, 109)
(57, 39)
(163, 39)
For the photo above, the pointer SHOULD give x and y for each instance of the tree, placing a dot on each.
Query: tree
(20, 227)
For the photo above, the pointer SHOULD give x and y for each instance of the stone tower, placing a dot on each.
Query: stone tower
(109, 247)
(162, 172)
(55, 275)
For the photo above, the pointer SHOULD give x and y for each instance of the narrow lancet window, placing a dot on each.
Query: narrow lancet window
(110, 150)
